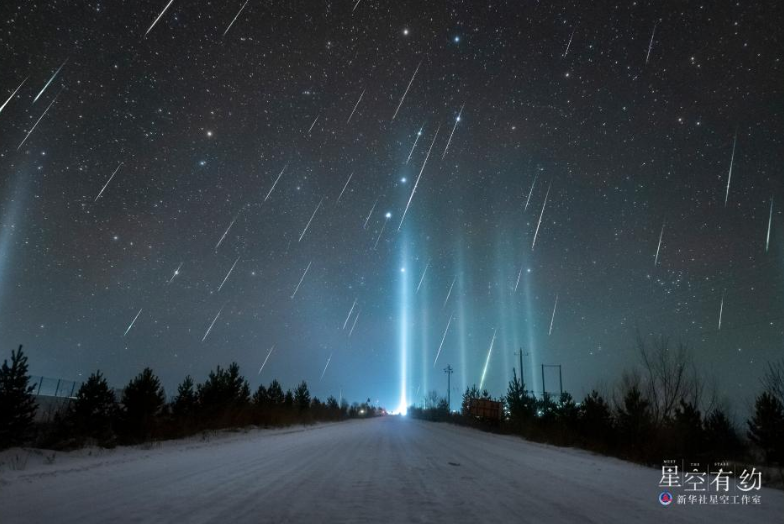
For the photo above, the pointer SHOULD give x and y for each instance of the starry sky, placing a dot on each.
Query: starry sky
(358, 194)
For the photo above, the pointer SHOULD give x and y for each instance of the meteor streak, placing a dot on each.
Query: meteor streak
(487, 362)
(313, 124)
(176, 272)
(227, 274)
(423, 277)
(369, 214)
(419, 133)
(349, 313)
(235, 18)
(453, 131)
(552, 319)
(212, 323)
(540, 216)
(531, 192)
(729, 175)
(383, 226)
(330, 358)
(650, 44)
(418, 177)
(132, 322)
(407, 87)
(49, 82)
(301, 279)
(449, 292)
(12, 95)
(355, 106)
(39, 119)
(354, 324)
(569, 44)
(519, 274)
(226, 232)
(770, 222)
(442, 341)
(276, 180)
(344, 188)
(266, 359)
(159, 17)
(721, 307)
(107, 183)
(311, 220)
(658, 247)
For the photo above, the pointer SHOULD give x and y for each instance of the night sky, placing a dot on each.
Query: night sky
(189, 184)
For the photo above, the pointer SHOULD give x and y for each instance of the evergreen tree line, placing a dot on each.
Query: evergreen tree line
(140, 413)
(659, 413)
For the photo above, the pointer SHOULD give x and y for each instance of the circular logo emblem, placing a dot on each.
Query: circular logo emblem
(665, 498)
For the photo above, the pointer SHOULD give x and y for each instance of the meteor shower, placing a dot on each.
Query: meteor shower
(305, 253)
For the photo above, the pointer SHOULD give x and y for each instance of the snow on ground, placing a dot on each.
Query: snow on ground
(387, 469)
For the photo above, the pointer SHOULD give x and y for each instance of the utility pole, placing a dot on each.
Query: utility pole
(560, 377)
(522, 371)
(448, 370)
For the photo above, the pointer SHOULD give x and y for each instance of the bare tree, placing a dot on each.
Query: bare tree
(431, 399)
(666, 376)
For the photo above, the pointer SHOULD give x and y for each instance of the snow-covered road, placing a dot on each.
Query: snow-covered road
(383, 470)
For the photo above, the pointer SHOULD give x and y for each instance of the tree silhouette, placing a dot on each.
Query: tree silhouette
(302, 396)
(184, 404)
(766, 427)
(634, 421)
(688, 429)
(142, 400)
(224, 388)
(522, 406)
(17, 403)
(260, 398)
(595, 421)
(94, 410)
(275, 393)
(722, 436)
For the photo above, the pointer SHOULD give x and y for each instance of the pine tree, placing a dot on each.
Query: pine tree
(567, 413)
(184, 404)
(596, 421)
(722, 437)
(521, 405)
(17, 402)
(288, 400)
(94, 410)
(142, 400)
(224, 388)
(302, 396)
(766, 427)
(275, 393)
(471, 393)
(634, 422)
(333, 408)
(689, 434)
(260, 398)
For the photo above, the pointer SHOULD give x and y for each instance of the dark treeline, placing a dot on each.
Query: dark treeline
(140, 413)
(662, 410)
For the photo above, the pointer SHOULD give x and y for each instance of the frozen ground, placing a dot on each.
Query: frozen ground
(381, 470)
